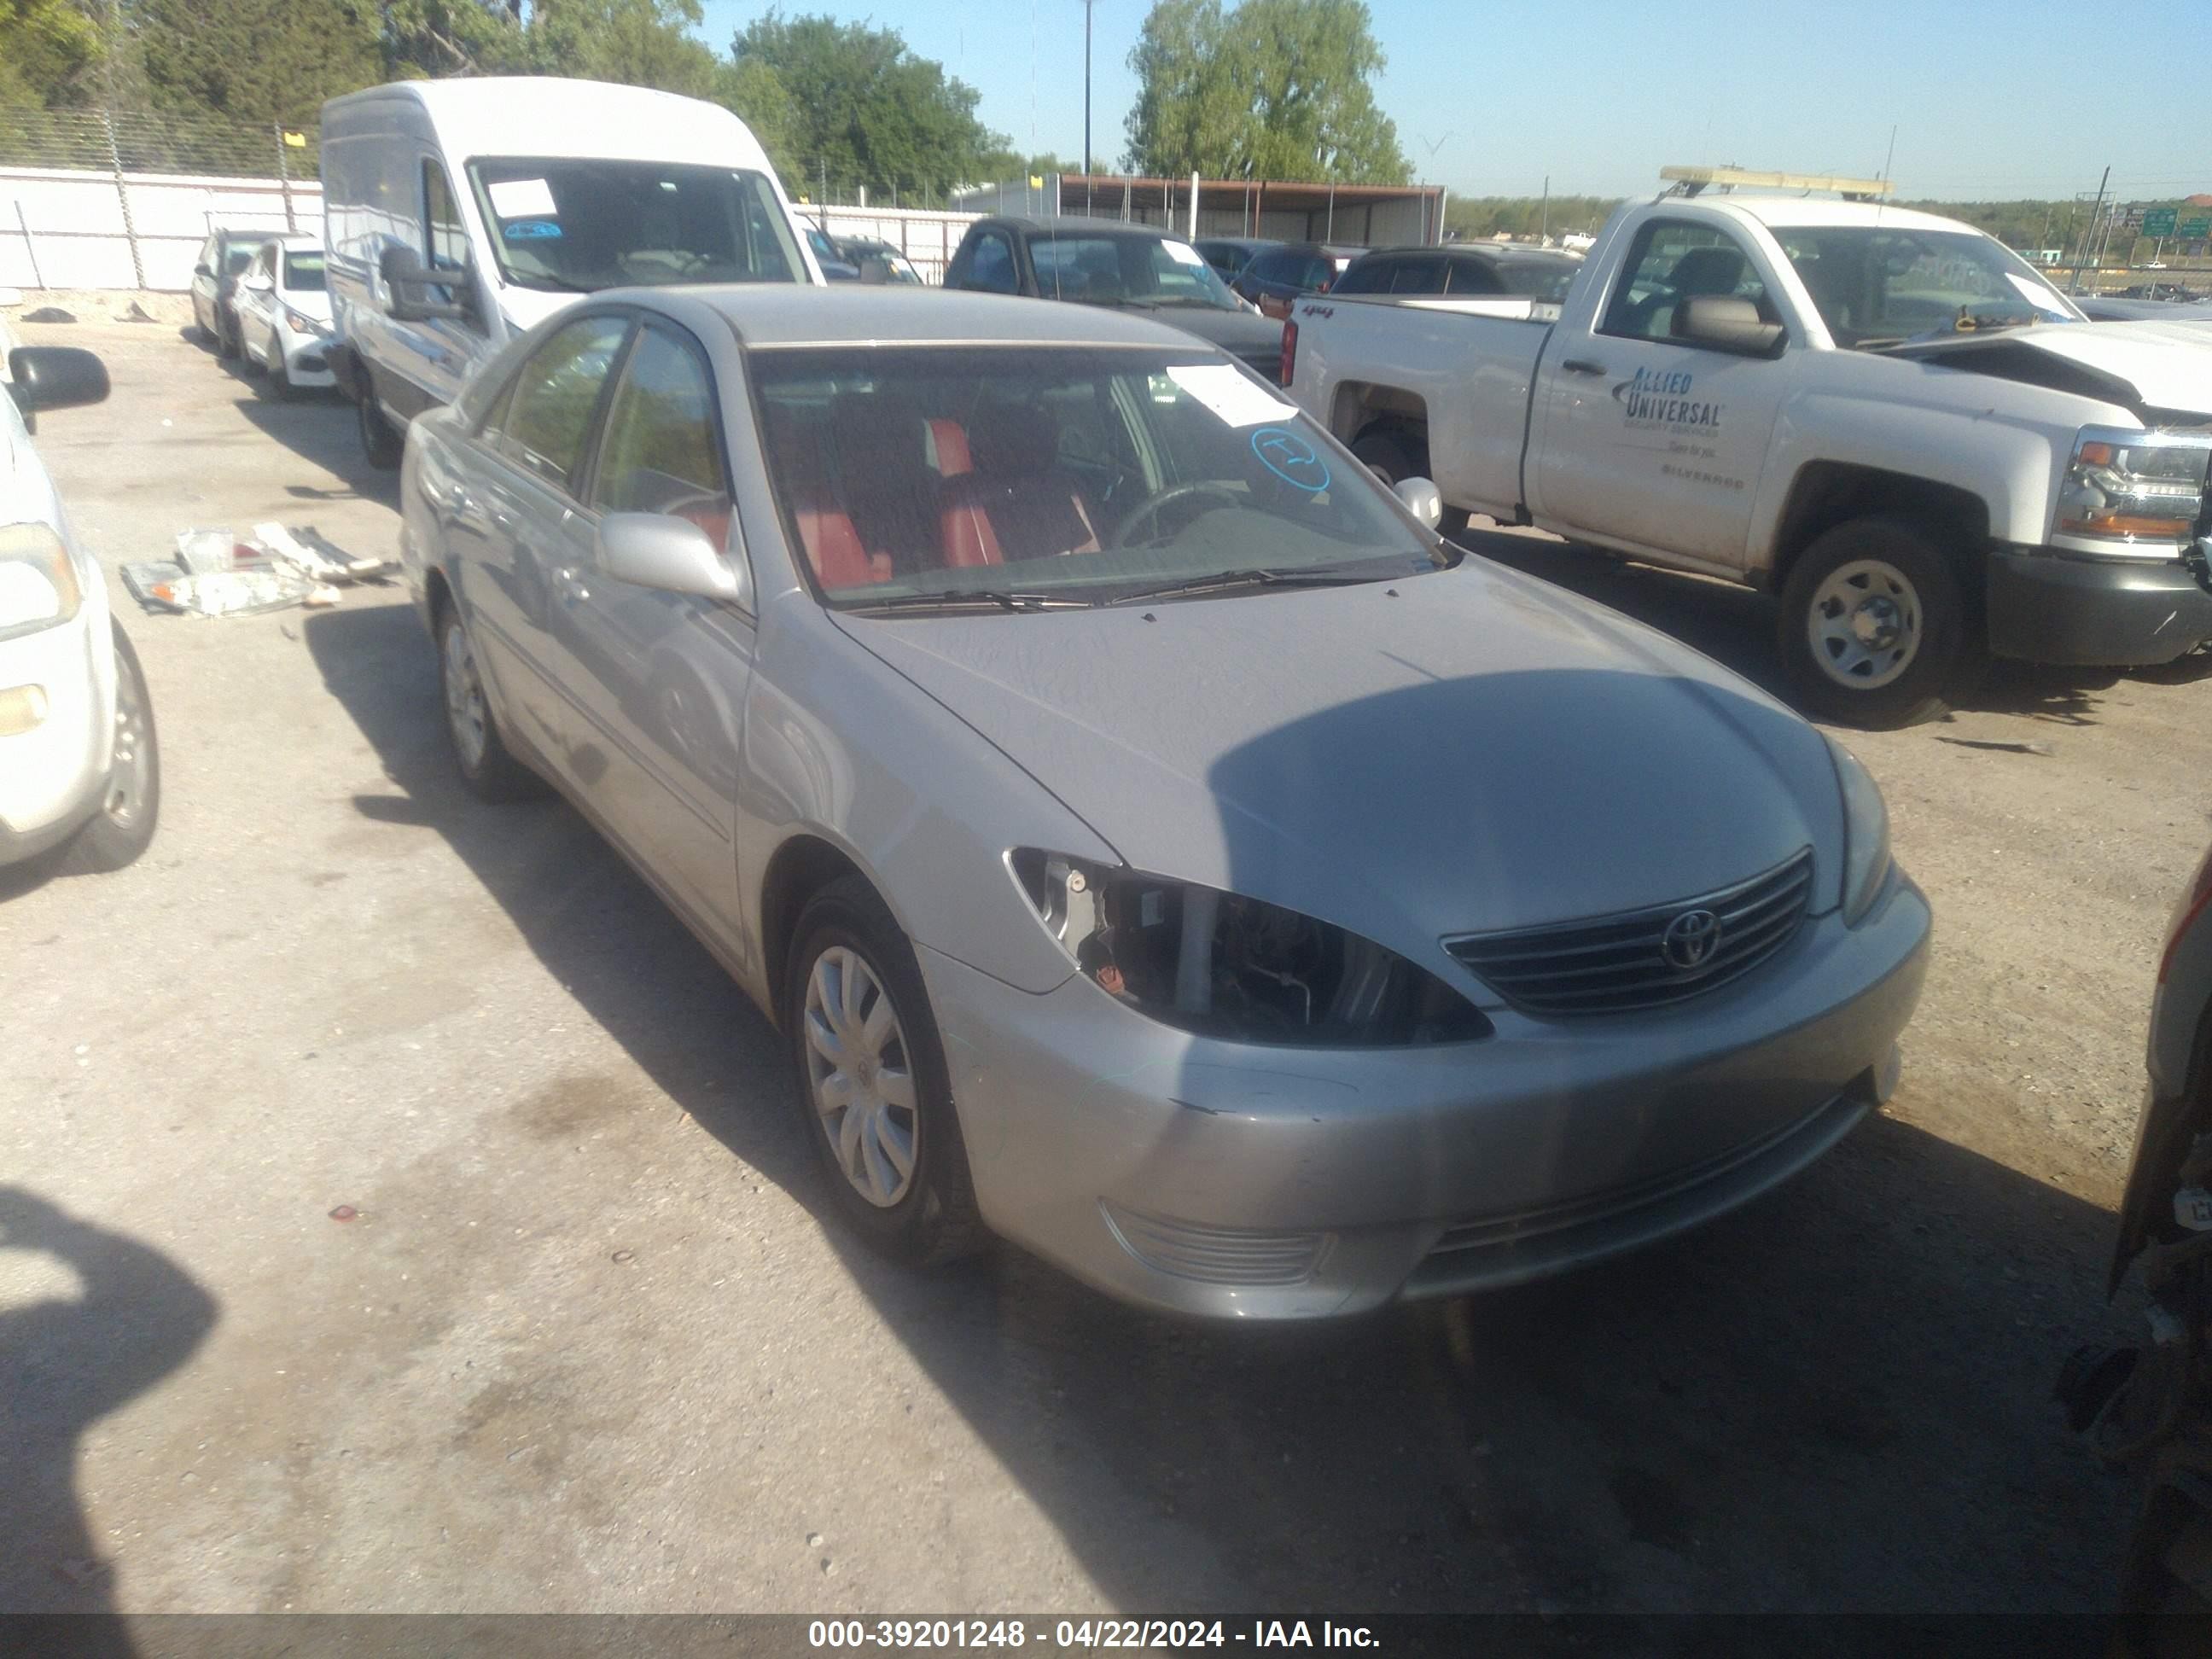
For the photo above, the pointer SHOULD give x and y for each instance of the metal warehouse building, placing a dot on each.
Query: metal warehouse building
(1374, 215)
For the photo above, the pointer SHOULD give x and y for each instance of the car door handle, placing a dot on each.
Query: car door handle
(1582, 366)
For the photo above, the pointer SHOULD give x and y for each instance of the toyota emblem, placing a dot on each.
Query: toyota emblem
(1690, 940)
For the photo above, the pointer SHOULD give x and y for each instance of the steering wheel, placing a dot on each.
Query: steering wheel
(1151, 508)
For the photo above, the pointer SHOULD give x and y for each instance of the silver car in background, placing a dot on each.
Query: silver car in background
(1158, 848)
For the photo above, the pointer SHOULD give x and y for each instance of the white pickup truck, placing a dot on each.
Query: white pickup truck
(1886, 418)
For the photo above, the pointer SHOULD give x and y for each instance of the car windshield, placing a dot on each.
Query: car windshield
(1546, 280)
(1126, 270)
(303, 271)
(575, 225)
(1067, 475)
(1876, 287)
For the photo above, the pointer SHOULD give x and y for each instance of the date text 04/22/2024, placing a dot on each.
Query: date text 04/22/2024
(1085, 1634)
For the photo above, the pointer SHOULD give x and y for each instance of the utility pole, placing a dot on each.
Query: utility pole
(2083, 253)
(1545, 233)
(1086, 106)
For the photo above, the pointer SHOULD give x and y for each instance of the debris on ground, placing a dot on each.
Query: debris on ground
(49, 315)
(138, 314)
(214, 573)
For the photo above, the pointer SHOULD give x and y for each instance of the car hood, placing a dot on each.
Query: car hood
(2167, 364)
(1254, 339)
(1456, 752)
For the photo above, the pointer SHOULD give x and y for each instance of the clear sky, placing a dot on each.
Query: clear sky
(1990, 98)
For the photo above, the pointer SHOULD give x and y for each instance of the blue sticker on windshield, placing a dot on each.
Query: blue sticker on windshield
(1291, 458)
(526, 230)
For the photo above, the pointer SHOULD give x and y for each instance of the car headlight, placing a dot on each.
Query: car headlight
(37, 582)
(1867, 862)
(1223, 965)
(303, 324)
(2124, 488)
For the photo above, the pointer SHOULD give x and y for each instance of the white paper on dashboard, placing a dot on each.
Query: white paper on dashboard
(522, 199)
(1182, 252)
(1230, 394)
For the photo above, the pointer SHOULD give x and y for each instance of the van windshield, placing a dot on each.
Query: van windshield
(577, 224)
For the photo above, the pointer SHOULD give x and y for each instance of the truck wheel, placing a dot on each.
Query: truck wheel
(1395, 454)
(120, 830)
(1873, 632)
(379, 441)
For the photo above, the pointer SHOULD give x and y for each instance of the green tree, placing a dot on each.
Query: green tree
(865, 110)
(1274, 89)
(49, 51)
(642, 43)
(426, 38)
(758, 97)
(255, 62)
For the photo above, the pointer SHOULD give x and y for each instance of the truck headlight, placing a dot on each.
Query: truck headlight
(2123, 489)
(37, 582)
(1222, 965)
(1867, 862)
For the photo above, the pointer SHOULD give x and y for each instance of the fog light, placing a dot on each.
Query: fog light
(21, 708)
(1218, 1255)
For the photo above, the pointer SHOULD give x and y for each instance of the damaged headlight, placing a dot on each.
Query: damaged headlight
(38, 583)
(2124, 488)
(1223, 965)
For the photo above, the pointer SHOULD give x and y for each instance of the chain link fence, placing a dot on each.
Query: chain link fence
(134, 141)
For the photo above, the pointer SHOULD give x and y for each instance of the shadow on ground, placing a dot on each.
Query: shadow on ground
(1838, 1399)
(317, 425)
(1735, 626)
(66, 1362)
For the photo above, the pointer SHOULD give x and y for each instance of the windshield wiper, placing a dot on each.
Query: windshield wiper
(546, 279)
(962, 597)
(1257, 576)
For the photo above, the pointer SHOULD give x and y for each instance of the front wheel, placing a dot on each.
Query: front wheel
(124, 826)
(226, 338)
(1874, 630)
(872, 1081)
(280, 380)
(379, 441)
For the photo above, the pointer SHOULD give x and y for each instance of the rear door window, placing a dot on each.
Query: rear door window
(556, 394)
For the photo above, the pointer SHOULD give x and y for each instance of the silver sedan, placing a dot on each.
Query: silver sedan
(1158, 848)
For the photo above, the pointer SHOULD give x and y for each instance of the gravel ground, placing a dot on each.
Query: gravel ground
(587, 1343)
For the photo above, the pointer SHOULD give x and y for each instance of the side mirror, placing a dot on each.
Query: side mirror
(409, 279)
(1727, 322)
(203, 269)
(54, 377)
(660, 551)
(1421, 500)
(875, 270)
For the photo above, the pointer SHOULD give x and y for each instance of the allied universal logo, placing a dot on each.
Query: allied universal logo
(1690, 940)
(1661, 398)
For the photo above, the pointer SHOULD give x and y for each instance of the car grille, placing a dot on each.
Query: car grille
(1616, 964)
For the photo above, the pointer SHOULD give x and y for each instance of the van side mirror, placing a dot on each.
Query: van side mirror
(1727, 322)
(660, 551)
(54, 377)
(1422, 500)
(410, 280)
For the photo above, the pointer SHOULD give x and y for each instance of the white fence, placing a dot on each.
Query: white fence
(74, 229)
(927, 238)
(66, 228)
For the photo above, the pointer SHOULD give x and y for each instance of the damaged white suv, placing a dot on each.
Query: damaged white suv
(78, 767)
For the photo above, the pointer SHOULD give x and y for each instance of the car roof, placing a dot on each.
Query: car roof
(1335, 249)
(1074, 224)
(767, 314)
(1807, 212)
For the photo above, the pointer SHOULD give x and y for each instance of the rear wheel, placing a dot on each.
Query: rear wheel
(1874, 629)
(1395, 454)
(872, 1081)
(490, 771)
(379, 441)
(124, 826)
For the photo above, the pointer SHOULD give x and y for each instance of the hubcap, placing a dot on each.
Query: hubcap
(465, 702)
(126, 770)
(858, 1075)
(1865, 624)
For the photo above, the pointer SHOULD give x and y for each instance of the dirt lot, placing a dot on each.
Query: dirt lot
(589, 1344)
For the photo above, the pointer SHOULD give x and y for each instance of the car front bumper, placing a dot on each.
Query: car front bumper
(52, 768)
(306, 358)
(2057, 607)
(1237, 1181)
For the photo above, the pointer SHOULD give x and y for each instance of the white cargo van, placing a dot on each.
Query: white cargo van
(458, 214)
